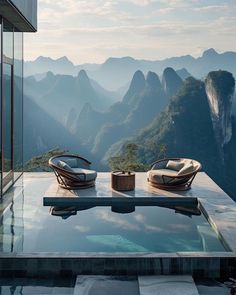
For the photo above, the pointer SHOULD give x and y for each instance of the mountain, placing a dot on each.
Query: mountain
(234, 106)
(42, 133)
(60, 95)
(183, 73)
(115, 72)
(144, 99)
(91, 124)
(197, 124)
(137, 85)
(151, 101)
(171, 82)
(220, 86)
(62, 65)
(185, 127)
(101, 91)
(45, 64)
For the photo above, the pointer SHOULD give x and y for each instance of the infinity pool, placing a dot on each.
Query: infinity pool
(27, 226)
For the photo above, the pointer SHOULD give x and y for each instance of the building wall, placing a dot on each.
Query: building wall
(29, 10)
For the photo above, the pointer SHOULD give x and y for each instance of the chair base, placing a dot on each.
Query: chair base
(182, 187)
(76, 186)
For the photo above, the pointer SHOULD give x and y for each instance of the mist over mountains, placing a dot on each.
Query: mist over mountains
(62, 95)
(117, 72)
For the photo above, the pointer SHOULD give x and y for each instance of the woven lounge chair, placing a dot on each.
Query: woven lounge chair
(73, 172)
(173, 173)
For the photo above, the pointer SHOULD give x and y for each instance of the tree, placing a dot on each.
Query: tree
(40, 163)
(128, 160)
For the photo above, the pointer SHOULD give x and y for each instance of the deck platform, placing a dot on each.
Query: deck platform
(102, 194)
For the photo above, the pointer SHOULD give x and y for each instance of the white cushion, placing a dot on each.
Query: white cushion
(175, 164)
(156, 175)
(90, 174)
(188, 168)
(72, 162)
(65, 166)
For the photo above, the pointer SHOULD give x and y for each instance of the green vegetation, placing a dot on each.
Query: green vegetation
(129, 159)
(185, 127)
(40, 163)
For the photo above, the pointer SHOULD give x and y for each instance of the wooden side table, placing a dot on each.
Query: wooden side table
(123, 180)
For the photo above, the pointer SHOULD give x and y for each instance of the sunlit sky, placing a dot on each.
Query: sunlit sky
(93, 30)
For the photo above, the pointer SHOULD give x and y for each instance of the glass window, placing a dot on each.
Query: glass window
(7, 119)
(18, 104)
(7, 42)
(0, 112)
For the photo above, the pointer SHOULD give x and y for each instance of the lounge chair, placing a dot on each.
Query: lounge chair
(72, 171)
(173, 173)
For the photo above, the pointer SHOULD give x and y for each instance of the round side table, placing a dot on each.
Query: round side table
(123, 180)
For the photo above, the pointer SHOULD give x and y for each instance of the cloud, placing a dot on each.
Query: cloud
(166, 10)
(82, 228)
(216, 8)
(72, 7)
(93, 30)
(143, 2)
(117, 220)
(140, 218)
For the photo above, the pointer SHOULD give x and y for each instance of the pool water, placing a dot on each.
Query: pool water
(27, 226)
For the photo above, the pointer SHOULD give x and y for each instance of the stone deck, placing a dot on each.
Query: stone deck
(102, 194)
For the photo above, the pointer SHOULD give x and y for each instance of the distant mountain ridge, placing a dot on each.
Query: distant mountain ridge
(115, 72)
(61, 95)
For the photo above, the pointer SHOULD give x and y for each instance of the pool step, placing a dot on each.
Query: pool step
(128, 285)
(106, 285)
(167, 285)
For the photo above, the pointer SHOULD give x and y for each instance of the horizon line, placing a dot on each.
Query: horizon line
(120, 57)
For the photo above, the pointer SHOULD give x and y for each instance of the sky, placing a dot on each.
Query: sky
(90, 31)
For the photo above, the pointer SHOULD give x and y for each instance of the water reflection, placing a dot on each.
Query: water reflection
(66, 212)
(123, 209)
(27, 226)
(12, 222)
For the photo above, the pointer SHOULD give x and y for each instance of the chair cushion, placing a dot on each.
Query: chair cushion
(156, 175)
(176, 165)
(188, 168)
(90, 174)
(64, 165)
(72, 162)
